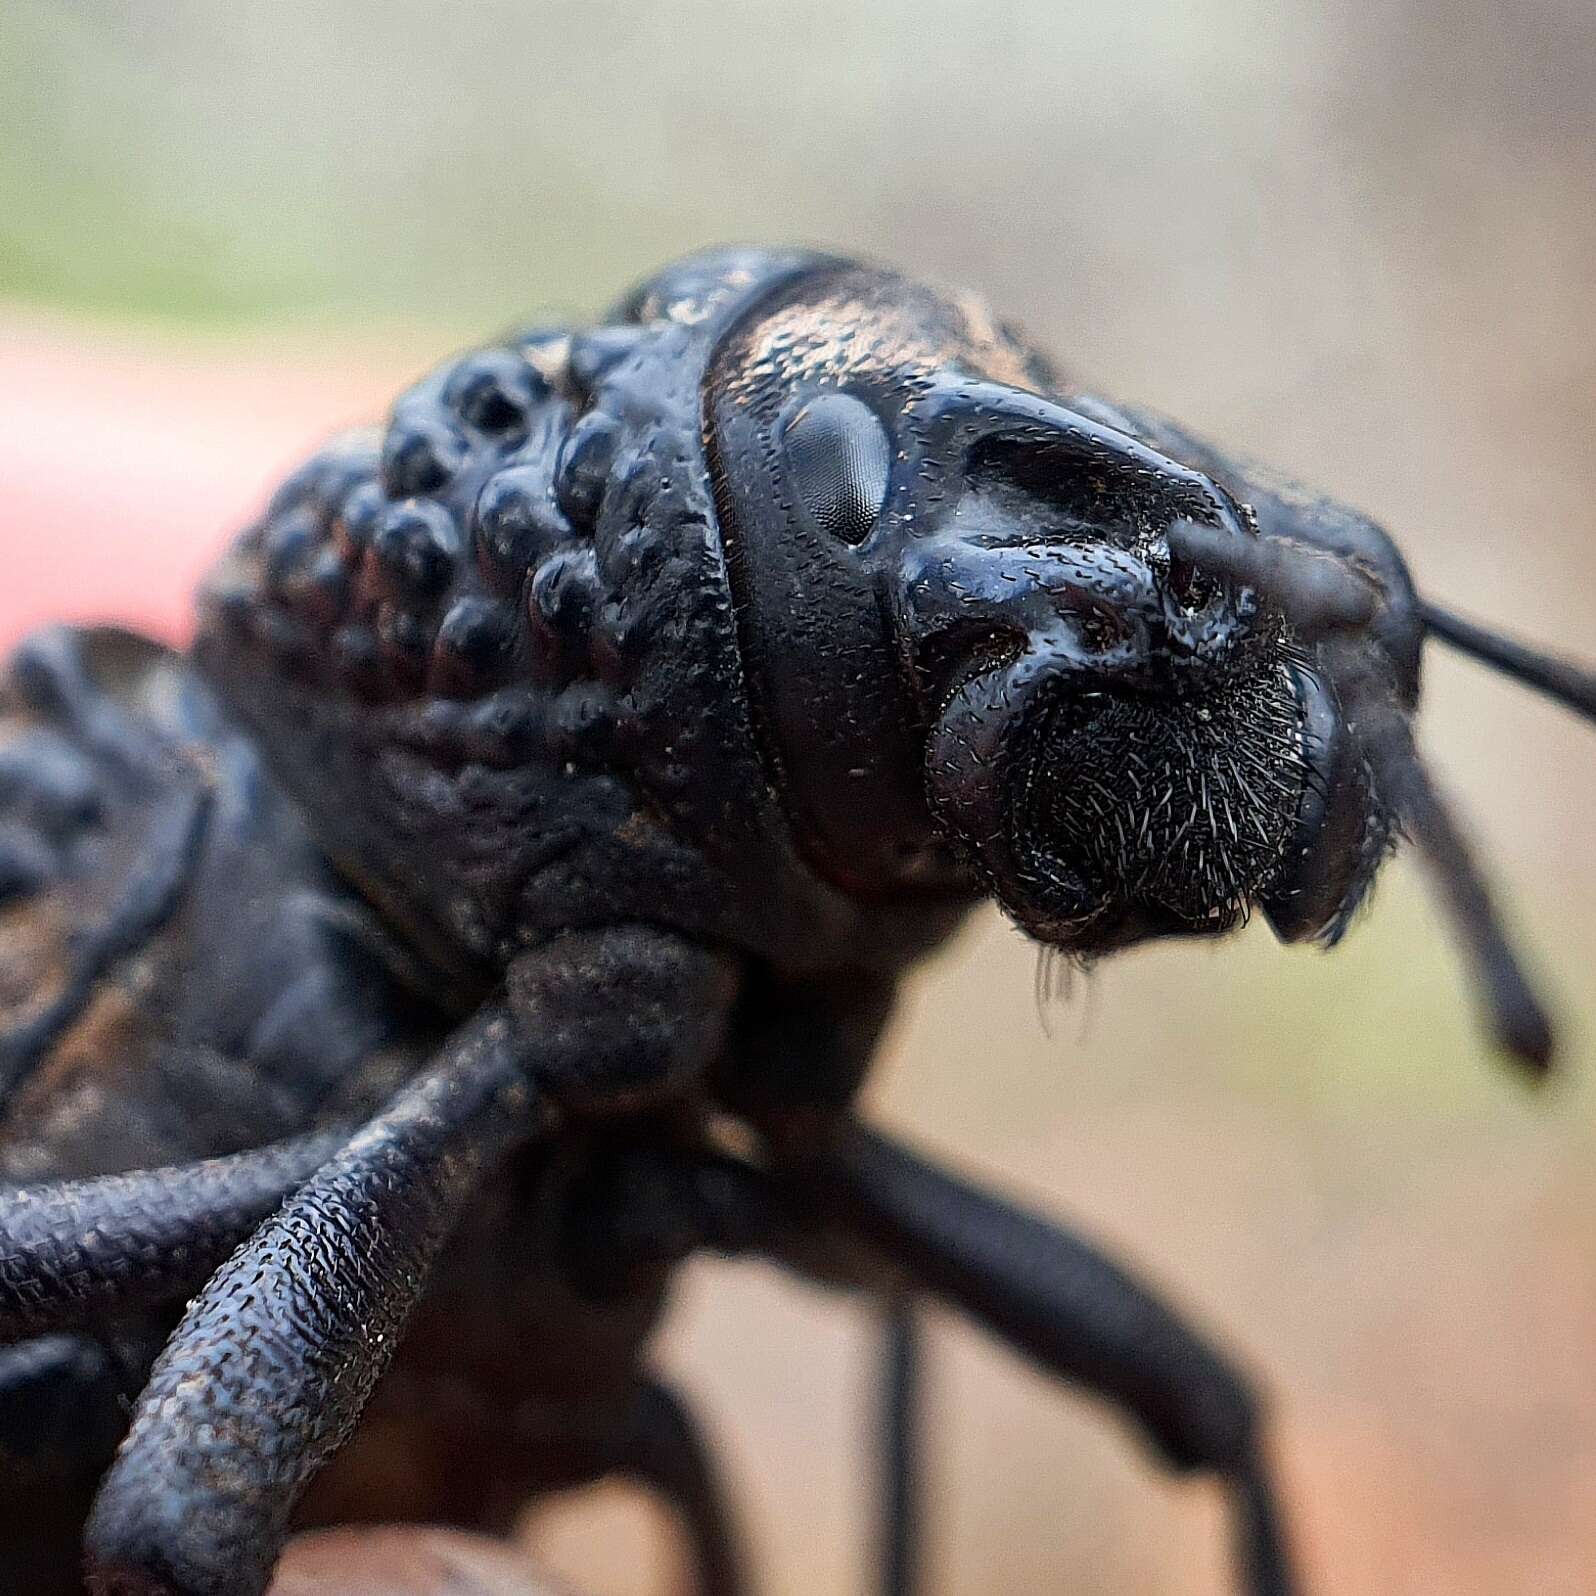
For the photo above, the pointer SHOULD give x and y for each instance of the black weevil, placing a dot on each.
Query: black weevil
(501, 901)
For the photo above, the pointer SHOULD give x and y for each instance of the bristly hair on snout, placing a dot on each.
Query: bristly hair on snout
(1186, 804)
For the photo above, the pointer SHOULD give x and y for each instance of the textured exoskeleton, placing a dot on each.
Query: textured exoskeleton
(502, 899)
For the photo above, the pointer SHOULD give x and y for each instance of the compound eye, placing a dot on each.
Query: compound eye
(839, 461)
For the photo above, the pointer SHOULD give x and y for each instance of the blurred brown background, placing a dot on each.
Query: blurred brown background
(1355, 238)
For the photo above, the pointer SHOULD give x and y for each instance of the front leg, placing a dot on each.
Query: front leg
(1057, 1299)
(274, 1361)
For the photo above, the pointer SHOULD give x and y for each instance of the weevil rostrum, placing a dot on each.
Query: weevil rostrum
(501, 899)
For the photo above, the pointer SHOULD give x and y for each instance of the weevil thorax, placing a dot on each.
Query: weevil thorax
(491, 650)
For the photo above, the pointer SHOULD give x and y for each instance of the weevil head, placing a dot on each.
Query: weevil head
(973, 649)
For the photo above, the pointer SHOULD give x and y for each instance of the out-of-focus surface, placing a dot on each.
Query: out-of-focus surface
(401, 1561)
(1355, 239)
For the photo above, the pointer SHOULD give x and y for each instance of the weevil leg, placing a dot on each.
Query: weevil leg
(900, 1446)
(274, 1361)
(76, 1253)
(50, 676)
(664, 1449)
(148, 901)
(1082, 1317)
(79, 752)
(869, 1215)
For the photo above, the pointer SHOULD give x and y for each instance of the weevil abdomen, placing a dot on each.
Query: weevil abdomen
(264, 1000)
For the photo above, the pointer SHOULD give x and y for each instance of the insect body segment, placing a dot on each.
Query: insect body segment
(539, 637)
(528, 852)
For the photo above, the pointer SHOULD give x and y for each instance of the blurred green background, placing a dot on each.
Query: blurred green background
(1354, 238)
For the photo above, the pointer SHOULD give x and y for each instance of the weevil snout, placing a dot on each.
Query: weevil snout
(1106, 806)
(1121, 740)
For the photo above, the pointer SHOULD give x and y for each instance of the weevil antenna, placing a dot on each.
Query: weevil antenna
(1329, 600)
(1320, 592)
(1515, 1014)
(1325, 593)
(1570, 684)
